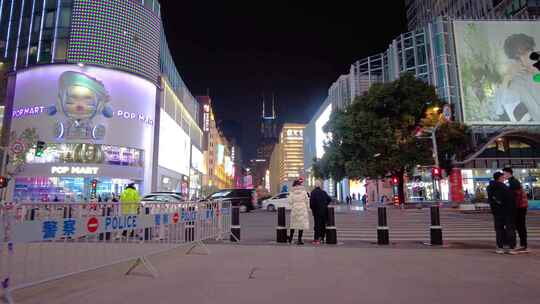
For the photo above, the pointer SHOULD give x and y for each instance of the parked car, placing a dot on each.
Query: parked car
(280, 200)
(162, 197)
(245, 198)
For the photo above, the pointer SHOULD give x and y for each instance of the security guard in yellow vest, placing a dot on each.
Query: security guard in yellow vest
(129, 200)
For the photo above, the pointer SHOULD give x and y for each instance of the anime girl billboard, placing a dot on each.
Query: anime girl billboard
(496, 73)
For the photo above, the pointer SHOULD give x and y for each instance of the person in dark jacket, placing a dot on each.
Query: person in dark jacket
(318, 202)
(502, 203)
(521, 208)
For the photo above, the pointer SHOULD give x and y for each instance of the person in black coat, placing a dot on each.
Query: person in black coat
(521, 208)
(318, 202)
(502, 203)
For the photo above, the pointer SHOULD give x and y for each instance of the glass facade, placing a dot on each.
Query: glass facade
(34, 31)
(69, 189)
(87, 154)
(80, 31)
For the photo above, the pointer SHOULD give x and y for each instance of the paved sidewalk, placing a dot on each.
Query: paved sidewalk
(293, 274)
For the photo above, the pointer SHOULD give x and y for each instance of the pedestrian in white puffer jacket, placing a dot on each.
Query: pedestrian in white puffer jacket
(299, 202)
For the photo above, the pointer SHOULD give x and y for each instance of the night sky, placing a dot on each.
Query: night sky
(239, 50)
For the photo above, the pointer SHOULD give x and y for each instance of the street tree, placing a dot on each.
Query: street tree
(375, 136)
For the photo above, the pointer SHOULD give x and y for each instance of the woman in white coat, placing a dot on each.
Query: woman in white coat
(299, 202)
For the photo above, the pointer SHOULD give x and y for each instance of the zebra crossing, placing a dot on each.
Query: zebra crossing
(413, 225)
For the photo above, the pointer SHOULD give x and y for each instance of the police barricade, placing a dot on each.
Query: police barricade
(45, 241)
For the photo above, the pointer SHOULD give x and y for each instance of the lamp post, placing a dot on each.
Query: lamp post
(445, 115)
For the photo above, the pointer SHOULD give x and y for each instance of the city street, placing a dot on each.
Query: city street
(258, 271)
(357, 227)
(140, 138)
(280, 274)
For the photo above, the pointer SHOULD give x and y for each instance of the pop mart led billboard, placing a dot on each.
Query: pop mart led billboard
(496, 74)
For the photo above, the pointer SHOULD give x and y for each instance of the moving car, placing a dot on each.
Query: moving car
(245, 198)
(280, 200)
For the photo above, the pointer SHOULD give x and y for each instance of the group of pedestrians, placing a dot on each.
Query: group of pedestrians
(300, 202)
(508, 202)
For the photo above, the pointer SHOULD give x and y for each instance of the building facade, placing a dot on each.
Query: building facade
(95, 81)
(466, 61)
(218, 168)
(422, 12)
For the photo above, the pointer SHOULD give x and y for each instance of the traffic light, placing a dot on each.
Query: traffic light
(3, 182)
(535, 56)
(436, 173)
(394, 180)
(40, 148)
(94, 184)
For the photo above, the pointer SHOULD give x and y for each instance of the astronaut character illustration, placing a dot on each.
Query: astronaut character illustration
(80, 99)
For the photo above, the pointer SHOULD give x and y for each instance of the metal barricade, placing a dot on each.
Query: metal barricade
(45, 241)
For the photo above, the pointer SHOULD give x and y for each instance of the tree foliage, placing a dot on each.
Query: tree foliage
(375, 135)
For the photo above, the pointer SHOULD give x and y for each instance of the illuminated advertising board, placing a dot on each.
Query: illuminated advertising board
(174, 145)
(220, 151)
(496, 74)
(72, 104)
(229, 168)
(320, 136)
(196, 159)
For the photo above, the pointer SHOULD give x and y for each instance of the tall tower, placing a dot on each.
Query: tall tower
(268, 123)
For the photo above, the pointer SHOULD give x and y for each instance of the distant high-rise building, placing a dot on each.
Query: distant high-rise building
(420, 12)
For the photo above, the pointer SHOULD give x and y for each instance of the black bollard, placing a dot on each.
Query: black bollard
(281, 229)
(147, 231)
(382, 228)
(105, 211)
(67, 212)
(435, 230)
(33, 214)
(190, 227)
(331, 232)
(235, 224)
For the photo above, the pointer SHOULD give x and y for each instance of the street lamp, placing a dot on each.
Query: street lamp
(441, 117)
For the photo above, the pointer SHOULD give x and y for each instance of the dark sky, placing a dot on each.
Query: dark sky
(240, 49)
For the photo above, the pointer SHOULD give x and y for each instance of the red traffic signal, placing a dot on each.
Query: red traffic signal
(436, 173)
(394, 180)
(94, 183)
(3, 182)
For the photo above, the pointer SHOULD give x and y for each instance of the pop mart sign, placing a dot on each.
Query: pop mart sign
(62, 170)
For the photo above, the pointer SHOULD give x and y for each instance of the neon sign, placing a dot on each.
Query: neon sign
(27, 111)
(130, 115)
(74, 170)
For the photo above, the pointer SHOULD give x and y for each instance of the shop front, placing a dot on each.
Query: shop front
(97, 126)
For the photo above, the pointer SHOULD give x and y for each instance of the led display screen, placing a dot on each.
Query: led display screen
(119, 33)
(174, 145)
(495, 71)
(72, 104)
(320, 136)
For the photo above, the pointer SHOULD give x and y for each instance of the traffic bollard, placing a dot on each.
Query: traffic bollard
(67, 212)
(331, 232)
(147, 231)
(106, 211)
(190, 227)
(281, 229)
(382, 227)
(33, 214)
(435, 230)
(235, 224)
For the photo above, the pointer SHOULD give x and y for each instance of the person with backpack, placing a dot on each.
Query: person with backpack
(522, 204)
(503, 205)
